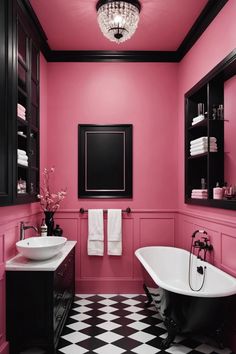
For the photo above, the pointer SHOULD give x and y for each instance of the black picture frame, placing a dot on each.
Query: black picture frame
(105, 161)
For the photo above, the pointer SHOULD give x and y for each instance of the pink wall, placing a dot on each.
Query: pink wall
(108, 93)
(230, 129)
(149, 96)
(217, 42)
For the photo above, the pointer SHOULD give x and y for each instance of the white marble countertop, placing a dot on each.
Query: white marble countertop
(20, 263)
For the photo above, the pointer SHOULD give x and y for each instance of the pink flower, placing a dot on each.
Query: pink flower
(49, 201)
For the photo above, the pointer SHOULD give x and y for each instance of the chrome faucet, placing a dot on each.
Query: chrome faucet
(23, 227)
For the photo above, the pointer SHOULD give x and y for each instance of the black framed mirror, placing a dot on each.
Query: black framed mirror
(105, 161)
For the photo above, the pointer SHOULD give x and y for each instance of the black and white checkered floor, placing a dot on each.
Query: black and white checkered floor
(115, 324)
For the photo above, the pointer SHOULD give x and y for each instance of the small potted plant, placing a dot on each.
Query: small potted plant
(49, 201)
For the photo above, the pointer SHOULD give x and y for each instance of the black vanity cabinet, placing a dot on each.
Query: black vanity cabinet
(38, 303)
(209, 165)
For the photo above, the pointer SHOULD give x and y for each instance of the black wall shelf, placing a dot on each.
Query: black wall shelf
(208, 165)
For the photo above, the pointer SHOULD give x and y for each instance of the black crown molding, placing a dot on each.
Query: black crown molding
(208, 14)
(41, 38)
(111, 56)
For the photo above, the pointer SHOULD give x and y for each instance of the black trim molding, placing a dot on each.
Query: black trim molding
(111, 56)
(208, 14)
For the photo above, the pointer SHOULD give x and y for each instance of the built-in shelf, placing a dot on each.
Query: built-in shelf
(27, 94)
(209, 165)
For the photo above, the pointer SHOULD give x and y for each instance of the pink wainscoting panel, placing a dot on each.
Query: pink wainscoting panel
(229, 251)
(4, 349)
(157, 231)
(2, 293)
(2, 308)
(108, 266)
(114, 274)
(188, 225)
(69, 223)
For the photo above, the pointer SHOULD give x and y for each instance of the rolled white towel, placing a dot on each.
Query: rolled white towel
(203, 147)
(203, 143)
(20, 107)
(200, 190)
(21, 152)
(22, 162)
(199, 197)
(203, 139)
(198, 119)
(198, 152)
(195, 119)
(22, 116)
(23, 157)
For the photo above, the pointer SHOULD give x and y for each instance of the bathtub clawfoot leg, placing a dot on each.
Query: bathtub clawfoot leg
(172, 330)
(219, 338)
(149, 297)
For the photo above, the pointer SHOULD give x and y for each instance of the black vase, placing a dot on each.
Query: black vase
(49, 221)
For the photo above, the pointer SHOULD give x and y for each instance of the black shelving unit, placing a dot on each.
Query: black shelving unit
(208, 165)
(27, 127)
(19, 74)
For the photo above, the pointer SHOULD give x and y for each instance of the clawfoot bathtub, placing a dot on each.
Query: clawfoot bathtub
(196, 298)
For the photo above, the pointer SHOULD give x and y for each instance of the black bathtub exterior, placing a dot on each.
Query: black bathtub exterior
(190, 314)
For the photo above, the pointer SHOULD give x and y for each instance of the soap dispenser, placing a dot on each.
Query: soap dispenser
(43, 228)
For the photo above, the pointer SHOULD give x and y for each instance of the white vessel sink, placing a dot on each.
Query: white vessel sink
(40, 247)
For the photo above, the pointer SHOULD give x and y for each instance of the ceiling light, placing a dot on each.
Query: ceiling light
(118, 19)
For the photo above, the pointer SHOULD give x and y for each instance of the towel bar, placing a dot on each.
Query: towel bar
(127, 210)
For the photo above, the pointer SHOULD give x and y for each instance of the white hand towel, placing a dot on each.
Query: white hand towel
(114, 232)
(95, 232)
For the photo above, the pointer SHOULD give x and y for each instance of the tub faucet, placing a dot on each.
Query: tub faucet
(204, 246)
(23, 227)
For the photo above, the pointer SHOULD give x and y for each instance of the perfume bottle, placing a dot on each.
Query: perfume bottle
(57, 231)
(217, 192)
(203, 183)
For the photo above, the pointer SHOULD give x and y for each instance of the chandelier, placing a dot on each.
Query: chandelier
(118, 19)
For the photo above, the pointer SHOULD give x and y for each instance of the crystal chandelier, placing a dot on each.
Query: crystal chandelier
(118, 19)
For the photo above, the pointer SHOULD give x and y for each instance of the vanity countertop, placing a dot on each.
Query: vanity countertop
(20, 263)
